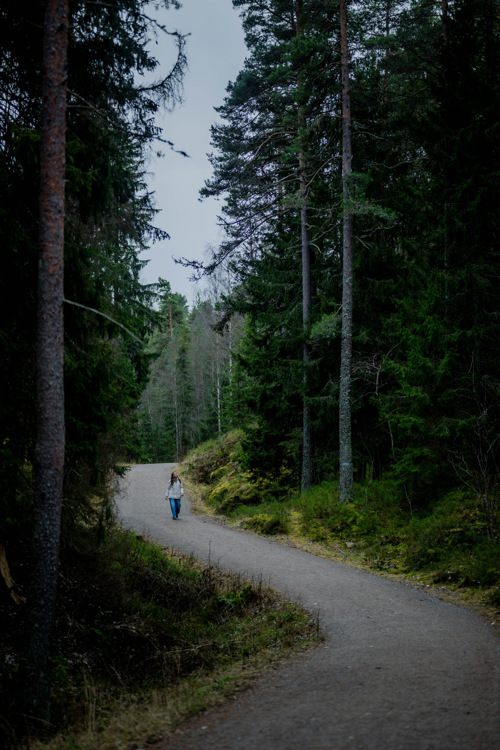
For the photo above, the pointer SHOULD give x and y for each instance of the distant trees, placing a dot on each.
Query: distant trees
(191, 386)
(165, 401)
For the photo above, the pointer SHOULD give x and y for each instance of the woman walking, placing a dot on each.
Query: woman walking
(174, 492)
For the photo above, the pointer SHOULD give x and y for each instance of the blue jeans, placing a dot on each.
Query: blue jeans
(175, 504)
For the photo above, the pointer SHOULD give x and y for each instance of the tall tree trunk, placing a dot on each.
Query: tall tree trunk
(345, 438)
(50, 361)
(306, 479)
(218, 386)
(230, 348)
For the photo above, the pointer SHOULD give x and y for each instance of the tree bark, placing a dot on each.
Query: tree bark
(345, 438)
(306, 481)
(306, 476)
(50, 361)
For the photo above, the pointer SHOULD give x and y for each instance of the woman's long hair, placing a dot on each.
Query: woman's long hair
(172, 480)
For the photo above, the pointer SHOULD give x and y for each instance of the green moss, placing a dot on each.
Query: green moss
(268, 524)
(448, 540)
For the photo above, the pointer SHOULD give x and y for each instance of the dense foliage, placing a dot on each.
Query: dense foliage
(424, 194)
(113, 94)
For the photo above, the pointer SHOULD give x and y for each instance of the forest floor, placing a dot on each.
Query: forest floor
(399, 667)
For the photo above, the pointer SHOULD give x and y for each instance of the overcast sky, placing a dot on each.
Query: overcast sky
(215, 51)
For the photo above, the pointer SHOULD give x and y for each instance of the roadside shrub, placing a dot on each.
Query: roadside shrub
(204, 462)
(484, 568)
(268, 524)
(234, 489)
(494, 597)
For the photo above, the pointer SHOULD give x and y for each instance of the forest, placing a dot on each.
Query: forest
(348, 324)
(415, 353)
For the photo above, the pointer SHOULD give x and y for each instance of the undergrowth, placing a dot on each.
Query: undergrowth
(447, 542)
(139, 628)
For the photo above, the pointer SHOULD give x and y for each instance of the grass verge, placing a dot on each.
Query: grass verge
(144, 639)
(444, 547)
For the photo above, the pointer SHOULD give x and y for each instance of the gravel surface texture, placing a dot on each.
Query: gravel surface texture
(399, 669)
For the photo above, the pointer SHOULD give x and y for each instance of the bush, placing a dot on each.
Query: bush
(204, 463)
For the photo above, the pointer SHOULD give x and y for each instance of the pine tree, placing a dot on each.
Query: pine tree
(272, 117)
(345, 440)
(50, 377)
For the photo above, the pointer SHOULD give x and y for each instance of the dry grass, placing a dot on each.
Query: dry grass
(189, 636)
(141, 718)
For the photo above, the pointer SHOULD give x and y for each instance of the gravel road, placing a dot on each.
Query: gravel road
(399, 669)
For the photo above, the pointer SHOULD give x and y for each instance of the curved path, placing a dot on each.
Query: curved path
(399, 669)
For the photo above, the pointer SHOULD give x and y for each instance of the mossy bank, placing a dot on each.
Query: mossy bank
(449, 546)
(144, 639)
